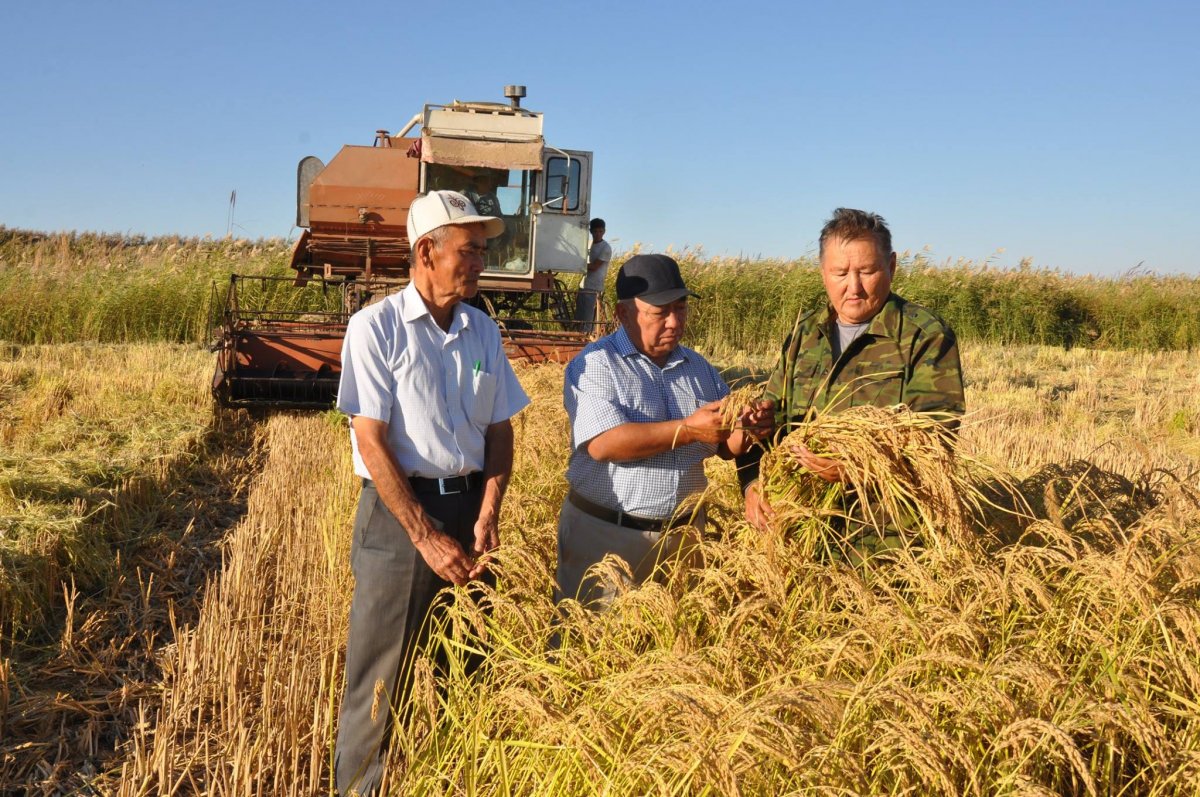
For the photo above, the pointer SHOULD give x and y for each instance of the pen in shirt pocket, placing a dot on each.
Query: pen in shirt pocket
(478, 365)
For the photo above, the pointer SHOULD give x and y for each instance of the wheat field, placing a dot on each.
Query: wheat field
(1052, 653)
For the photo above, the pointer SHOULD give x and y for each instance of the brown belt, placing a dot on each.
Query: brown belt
(618, 518)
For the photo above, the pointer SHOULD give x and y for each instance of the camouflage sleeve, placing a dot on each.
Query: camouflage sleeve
(747, 464)
(936, 384)
(776, 388)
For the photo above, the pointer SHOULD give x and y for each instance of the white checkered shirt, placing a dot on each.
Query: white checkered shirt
(609, 384)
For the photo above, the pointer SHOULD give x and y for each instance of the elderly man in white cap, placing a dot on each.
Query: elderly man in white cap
(429, 393)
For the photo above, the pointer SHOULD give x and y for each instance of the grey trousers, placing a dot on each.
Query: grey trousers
(584, 541)
(585, 308)
(393, 590)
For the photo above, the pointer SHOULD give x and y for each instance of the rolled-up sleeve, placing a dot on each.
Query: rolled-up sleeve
(590, 397)
(367, 384)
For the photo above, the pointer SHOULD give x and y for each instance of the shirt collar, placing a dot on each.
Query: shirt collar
(624, 346)
(884, 324)
(412, 307)
(622, 343)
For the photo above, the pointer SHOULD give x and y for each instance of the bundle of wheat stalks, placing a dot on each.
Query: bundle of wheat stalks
(739, 399)
(904, 480)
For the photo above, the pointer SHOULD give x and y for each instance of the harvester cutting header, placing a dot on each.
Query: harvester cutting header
(279, 339)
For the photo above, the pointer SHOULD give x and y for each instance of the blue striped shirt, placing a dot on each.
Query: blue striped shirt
(611, 383)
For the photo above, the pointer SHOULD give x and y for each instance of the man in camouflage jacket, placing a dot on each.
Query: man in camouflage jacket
(867, 347)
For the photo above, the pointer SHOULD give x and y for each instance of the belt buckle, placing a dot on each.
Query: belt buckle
(442, 486)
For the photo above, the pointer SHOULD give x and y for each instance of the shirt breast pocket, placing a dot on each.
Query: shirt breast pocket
(482, 401)
(883, 387)
(639, 409)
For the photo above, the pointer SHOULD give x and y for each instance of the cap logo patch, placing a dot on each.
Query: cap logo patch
(458, 203)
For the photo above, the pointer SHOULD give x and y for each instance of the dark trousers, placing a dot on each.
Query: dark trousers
(393, 590)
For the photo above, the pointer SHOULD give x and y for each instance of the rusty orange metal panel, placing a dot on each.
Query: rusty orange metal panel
(380, 180)
(265, 350)
(541, 347)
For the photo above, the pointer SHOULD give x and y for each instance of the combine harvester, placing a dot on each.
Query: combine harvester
(278, 339)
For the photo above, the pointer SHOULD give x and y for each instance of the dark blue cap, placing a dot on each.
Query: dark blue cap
(655, 279)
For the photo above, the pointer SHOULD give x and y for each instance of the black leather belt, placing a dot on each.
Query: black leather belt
(619, 518)
(449, 485)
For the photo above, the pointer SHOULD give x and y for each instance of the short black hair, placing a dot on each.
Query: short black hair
(597, 222)
(848, 224)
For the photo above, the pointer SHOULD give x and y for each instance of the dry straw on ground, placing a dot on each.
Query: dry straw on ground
(248, 695)
(115, 480)
(1054, 656)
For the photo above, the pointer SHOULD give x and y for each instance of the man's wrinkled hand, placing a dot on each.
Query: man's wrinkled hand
(825, 468)
(487, 539)
(446, 557)
(758, 420)
(758, 509)
(703, 426)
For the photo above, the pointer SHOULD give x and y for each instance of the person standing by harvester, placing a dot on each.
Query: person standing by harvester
(592, 288)
(867, 346)
(429, 393)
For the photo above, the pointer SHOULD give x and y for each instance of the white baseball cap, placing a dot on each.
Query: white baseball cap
(439, 208)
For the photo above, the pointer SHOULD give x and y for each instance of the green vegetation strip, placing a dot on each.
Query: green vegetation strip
(89, 287)
(748, 305)
(86, 287)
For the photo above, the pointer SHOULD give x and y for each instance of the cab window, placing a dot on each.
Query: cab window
(558, 175)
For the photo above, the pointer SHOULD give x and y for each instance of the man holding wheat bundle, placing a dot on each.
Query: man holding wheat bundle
(868, 346)
(645, 413)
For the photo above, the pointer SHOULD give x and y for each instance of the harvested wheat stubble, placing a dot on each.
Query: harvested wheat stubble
(1054, 663)
(249, 694)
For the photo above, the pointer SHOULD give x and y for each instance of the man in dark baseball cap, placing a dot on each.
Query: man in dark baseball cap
(652, 305)
(655, 279)
(645, 413)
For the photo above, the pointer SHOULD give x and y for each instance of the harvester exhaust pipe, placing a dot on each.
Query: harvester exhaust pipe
(514, 95)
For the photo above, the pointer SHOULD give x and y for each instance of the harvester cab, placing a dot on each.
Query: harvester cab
(278, 338)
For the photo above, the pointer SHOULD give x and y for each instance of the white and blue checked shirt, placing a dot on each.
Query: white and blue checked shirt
(611, 383)
(437, 391)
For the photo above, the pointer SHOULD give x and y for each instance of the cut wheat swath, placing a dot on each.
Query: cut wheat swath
(1060, 659)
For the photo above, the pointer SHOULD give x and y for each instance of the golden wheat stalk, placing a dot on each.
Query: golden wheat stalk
(738, 400)
(903, 479)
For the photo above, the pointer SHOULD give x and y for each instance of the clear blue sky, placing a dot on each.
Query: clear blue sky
(1064, 132)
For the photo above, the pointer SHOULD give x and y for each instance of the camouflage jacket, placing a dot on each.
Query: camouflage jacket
(906, 355)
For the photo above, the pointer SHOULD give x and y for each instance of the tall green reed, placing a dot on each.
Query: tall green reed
(92, 287)
(86, 286)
